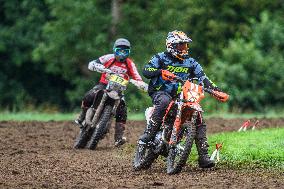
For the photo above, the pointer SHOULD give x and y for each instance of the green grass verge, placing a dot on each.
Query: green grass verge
(28, 116)
(225, 115)
(37, 116)
(250, 149)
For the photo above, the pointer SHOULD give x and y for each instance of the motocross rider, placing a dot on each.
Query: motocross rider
(161, 70)
(119, 63)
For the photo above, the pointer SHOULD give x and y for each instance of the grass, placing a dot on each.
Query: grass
(37, 116)
(225, 115)
(270, 114)
(255, 149)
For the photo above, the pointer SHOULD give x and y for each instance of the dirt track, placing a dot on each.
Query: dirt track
(40, 155)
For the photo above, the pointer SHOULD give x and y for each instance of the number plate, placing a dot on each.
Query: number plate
(118, 79)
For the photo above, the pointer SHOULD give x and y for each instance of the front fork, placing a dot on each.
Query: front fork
(177, 125)
(99, 110)
(101, 107)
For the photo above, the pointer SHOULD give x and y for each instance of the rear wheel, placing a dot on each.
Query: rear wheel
(179, 153)
(101, 128)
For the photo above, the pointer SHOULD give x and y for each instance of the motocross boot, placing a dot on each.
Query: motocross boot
(118, 134)
(81, 117)
(150, 131)
(202, 148)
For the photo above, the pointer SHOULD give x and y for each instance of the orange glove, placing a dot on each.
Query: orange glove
(167, 75)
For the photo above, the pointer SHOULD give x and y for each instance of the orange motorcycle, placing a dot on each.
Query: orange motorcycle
(176, 135)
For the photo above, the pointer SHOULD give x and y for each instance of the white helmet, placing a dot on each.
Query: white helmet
(121, 42)
(174, 39)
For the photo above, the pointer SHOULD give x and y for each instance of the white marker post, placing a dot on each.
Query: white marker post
(245, 125)
(216, 153)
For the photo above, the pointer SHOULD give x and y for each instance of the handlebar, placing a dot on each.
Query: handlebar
(139, 84)
(221, 96)
(179, 79)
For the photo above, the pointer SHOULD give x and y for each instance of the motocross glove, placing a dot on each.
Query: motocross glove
(140, 84)
(167, 75)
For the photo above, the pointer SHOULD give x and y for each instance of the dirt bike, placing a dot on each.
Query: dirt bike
(99, 115)
(177, 133)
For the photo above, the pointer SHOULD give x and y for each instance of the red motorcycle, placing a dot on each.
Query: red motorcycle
(175, 138)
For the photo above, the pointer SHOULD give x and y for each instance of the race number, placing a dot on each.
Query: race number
(118, 79)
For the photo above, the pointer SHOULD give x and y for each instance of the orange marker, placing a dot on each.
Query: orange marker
(245, 125)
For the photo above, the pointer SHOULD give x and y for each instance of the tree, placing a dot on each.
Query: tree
(21, 79)
(252, 69)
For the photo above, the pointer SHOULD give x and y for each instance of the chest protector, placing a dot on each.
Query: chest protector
(121, 68)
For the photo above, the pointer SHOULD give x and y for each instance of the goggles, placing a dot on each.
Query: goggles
(121, 51)
(181, 47)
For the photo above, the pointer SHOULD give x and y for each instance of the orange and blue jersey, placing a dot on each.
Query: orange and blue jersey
(186, 69)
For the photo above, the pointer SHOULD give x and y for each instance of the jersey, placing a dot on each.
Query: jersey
(186, 69)
(125, 69)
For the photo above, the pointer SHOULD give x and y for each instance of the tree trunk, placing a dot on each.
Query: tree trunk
(116, 16)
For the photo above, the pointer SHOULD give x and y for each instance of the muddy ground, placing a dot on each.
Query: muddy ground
(41, 155)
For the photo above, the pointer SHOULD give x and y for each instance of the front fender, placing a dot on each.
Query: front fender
(113, 94)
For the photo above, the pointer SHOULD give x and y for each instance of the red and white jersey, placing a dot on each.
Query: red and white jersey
(125, 69)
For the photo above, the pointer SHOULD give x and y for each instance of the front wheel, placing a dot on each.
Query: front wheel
(178, 154)
(101, 128)
(84, 135)
(144, 157)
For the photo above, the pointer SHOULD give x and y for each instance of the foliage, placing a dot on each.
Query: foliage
(22, 81)
(252, 68)
(45, 47)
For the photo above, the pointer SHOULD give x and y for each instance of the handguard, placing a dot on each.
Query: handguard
(221, 96)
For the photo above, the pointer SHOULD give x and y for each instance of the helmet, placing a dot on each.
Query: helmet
(121, 42)
(177, 44)
(121, 49)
